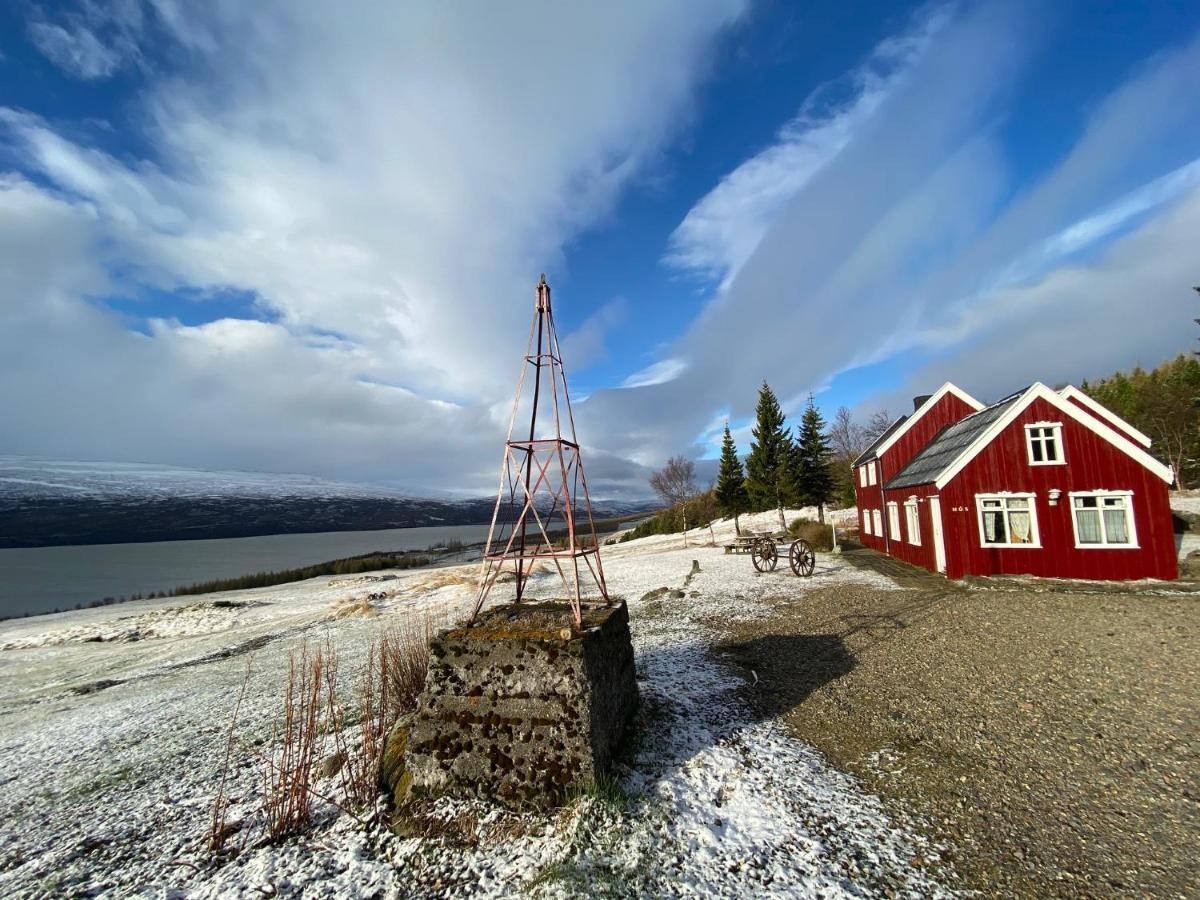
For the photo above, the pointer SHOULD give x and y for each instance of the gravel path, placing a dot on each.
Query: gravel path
(1051, 738)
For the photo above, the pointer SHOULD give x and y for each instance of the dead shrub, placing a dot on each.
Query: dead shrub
(391, 681)
(219, 830)
(820, 536)
(295, 743)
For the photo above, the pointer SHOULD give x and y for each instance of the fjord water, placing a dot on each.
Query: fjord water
(42, 579)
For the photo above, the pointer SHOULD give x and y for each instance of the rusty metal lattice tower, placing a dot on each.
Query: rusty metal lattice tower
(542, 482)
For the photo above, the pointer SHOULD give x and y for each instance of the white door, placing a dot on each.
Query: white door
(939, 542)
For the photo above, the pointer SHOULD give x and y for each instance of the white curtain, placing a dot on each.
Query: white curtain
(1019, 523)
(1114, 526)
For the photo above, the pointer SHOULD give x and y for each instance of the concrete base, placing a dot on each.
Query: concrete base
(520, 707)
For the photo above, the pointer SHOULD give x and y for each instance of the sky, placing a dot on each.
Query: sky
(293, 237)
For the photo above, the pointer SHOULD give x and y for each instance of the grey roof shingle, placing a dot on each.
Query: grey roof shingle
(948, 444)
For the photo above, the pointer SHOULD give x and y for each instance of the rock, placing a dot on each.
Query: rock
(515, 712)
(332, 764)
(393, 777)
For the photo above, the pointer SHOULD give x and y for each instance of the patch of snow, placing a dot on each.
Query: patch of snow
(110, 757)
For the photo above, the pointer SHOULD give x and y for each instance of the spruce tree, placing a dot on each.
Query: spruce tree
(813, 480)
(731, 482)
(767, 464)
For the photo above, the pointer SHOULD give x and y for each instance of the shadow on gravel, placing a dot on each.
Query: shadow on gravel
(781, 670)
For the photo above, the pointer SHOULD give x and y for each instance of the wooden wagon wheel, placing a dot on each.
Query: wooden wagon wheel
(764, 555)
(802, 558)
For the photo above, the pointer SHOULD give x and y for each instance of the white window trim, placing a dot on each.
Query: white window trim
(876, 523)
(1057, 436)
(862, 476)
(893, 519)
(1039, 391)
(1130, 520)
(914, 533)
(1034, 532)
(871, 473)
(866, 518)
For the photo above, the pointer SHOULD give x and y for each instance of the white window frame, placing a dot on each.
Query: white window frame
(870, 473)
(862, 476)
(866, 517)
(912, 516)
(1130, 522)
(1055, 436)
(1035, 536)
(893, 519)
(877, 523)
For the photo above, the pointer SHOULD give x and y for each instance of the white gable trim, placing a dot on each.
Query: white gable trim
(1070, 392)
(945, 389)
(1039, 391)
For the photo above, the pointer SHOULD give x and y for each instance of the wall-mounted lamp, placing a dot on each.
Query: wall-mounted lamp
(1055, 493)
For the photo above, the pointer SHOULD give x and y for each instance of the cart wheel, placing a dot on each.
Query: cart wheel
(764, 555)
(802, 558)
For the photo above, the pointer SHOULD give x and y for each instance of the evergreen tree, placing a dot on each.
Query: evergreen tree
(813, 480)
(731, 482)
(767, 464)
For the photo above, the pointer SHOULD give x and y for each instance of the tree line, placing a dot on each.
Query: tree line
(808, 467)
(1163, 404)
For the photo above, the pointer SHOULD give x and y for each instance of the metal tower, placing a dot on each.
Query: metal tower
(542, 480)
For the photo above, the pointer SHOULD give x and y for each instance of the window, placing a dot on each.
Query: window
(914, 521)
(894, 520)
(1044, 443)
(862, 476)
(866, 514)
(1103, 519)
(870, 473)
(1007, 520)
(877, 523)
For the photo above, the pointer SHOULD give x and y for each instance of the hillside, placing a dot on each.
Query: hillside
(47, 503)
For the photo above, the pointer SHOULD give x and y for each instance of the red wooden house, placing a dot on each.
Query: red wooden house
(1041, 483)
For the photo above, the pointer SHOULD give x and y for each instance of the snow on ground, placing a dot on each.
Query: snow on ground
(110, 757)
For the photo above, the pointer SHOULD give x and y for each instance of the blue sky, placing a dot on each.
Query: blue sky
(277, 238)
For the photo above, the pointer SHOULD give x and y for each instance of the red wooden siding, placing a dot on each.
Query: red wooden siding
(947, 410)
(901, 546)
(1091, 464)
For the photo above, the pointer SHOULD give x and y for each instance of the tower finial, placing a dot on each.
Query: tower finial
(541, 296)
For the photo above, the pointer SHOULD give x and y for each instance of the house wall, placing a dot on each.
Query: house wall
(946, 411)
(900, 545)
(1091, 464)
(869, 498)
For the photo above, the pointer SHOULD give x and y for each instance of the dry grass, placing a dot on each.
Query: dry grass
(287, 806)
(352, 608)
(219, 829)
(388, 687)
(455, 577)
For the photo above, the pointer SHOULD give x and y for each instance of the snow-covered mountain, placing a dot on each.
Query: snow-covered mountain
(46, 502)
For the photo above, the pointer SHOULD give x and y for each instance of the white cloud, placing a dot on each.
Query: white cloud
(659, 373)
(395, 179)
(905, 239)
(94, 41)
(722, 230)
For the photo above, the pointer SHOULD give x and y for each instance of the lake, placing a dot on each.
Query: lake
(45, 578)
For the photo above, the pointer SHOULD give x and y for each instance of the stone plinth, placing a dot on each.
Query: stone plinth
(520, 707)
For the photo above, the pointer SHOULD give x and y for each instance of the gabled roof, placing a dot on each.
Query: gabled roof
(948, 444)
(902, 424)
(869, 454)
(957, 444)
(1070, 392)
